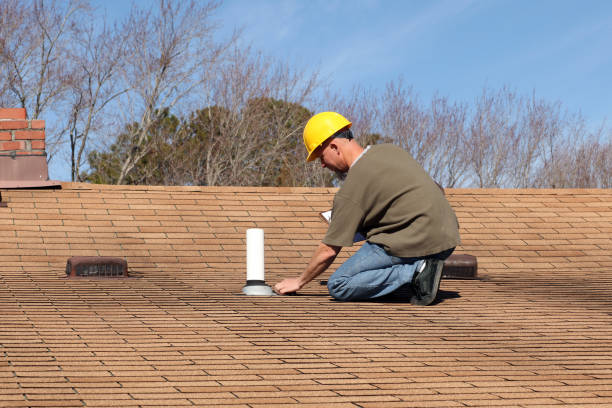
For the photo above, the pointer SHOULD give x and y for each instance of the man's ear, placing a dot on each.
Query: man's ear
(333, 145)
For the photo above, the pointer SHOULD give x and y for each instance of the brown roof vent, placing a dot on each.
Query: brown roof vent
(460, 266)
(96, 267)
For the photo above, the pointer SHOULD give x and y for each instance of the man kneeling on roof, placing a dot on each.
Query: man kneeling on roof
(408, 225)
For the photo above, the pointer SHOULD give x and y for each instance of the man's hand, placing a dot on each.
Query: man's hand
(320, 261)
(289, 285)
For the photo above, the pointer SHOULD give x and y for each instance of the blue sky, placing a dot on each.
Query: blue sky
(562, 50)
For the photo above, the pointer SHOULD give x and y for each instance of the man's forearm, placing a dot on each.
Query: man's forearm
(321, 260)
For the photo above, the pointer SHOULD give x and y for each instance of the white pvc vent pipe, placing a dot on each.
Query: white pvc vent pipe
(255, 254)
(255, 280)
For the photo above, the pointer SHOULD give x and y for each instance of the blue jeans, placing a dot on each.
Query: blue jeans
(371, 273)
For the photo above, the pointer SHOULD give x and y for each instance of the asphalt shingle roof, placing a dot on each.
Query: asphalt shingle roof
(534, 330)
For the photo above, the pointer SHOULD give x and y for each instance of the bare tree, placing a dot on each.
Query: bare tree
(581, 160)
(539, 122)
(502, 140)
(98, 56)
(36, 69)
(492, 137)
(603, 162)
(447, 161)
(255, 119)
(172, 52)
(434, 134)
(192, 110)
(405, 122)
(361, 106)
(248, 133)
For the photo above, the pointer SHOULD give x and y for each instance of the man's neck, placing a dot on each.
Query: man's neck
(363, 151)
(353, 152)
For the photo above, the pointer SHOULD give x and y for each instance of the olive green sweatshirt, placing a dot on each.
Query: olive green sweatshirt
(389, 198)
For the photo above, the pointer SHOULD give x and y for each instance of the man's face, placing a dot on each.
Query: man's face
(327, 156)
(331, 159)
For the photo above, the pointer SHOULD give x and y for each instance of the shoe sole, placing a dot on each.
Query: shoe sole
(427, 300)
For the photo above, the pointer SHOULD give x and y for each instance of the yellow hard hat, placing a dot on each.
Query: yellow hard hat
(319, 128)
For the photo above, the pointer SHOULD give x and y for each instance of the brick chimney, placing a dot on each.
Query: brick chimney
(23, 160)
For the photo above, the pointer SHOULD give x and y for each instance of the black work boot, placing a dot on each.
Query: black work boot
(426, 283)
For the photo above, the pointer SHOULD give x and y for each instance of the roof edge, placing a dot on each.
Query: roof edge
(528, 191)
(29, 184)
(214, 189)
(326, 190)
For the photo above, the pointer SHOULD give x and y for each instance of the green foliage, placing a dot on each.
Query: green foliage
(260, 144)
(105, 167)
(278, 122)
